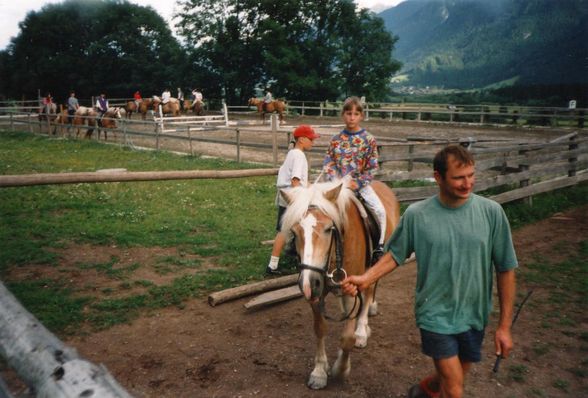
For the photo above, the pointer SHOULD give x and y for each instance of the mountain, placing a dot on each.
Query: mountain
(478, 43)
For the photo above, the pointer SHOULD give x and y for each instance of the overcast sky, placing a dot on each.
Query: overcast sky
(14, 11)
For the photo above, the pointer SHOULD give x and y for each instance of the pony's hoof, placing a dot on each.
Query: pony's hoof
(362, 339)
(317, 382)
(373, 309)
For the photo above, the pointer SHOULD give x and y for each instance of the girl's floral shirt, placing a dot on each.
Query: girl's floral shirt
(354, 154)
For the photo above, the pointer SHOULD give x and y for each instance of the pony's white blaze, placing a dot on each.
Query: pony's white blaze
(307, 224)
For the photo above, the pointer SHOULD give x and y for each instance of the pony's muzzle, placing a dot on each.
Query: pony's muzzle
(311, 284)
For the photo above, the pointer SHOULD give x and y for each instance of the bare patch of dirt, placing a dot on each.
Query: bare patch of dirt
(226, 351)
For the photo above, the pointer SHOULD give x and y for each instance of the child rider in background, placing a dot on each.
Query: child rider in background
(292, 173)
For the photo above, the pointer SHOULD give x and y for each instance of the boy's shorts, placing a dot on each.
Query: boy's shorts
(467, 345)
(281, 211)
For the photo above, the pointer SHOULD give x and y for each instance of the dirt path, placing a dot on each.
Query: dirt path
(225, 351)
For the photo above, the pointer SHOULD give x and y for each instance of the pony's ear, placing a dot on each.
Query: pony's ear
(333, 194)
(286, 196)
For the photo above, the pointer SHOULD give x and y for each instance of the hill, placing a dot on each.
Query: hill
(477, 43)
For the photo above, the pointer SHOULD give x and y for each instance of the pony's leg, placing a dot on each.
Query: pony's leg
(362, 332)
(319, 375)
(342, 366)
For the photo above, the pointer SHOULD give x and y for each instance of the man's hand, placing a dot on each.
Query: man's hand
(503, 342)
(352, 285)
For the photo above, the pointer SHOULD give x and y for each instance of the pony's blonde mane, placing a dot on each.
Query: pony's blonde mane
(303, 198)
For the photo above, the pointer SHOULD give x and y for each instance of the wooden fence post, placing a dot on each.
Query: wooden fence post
(226, 113)
(410, 160)
(238, 139)
(11, 122)
(321, 111)
(302, 108)
(157, 128)
(190, 141)
(274, 122)
(525, 182)
(573, 159)
(44, 362)
(29, 123)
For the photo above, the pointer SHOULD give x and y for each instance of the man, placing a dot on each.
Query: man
(72, 106)
(458, 238)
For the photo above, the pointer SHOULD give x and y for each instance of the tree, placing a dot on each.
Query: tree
(91, 46)
(304, 49)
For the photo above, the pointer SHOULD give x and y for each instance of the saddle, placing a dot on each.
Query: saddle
(370, 226)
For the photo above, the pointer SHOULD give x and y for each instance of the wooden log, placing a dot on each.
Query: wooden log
(274, 296)
(252, 288)
(76, 178)
(43, 362)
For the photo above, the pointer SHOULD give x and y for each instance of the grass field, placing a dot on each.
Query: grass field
(220, 223)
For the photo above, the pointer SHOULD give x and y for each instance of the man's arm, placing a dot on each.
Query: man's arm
(356, 283)
(506, 293)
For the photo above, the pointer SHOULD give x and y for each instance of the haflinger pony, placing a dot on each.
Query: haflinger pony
(195, 107)
(331, 237)
(130, 108)
(171, 107)
(271, 107)
(85, 116)
(108, 121)
(48, 113)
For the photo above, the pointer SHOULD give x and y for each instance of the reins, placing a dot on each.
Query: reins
(332, 281)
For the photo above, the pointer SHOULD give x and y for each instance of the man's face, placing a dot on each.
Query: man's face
(458, 183)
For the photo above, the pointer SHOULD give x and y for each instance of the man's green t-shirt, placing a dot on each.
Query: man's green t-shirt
(456, 250)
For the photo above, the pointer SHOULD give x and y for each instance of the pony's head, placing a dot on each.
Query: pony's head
(315, 216)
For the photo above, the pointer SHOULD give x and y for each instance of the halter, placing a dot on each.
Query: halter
(332, 281)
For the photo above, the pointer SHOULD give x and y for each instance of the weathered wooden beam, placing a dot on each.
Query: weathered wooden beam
(93, 177)
(545, 186)
(43, 362)
(252, 288)
(274, 296)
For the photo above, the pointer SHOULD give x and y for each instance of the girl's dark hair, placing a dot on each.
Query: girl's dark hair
(350, 103)
(459, 153)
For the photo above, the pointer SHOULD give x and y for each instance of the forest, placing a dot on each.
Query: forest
(228, 48)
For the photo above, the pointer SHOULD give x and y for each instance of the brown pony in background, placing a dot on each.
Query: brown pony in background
(144, 106)
(171, 107)
(196, 107)
(108, 121)
(271, 107)
(85, 116)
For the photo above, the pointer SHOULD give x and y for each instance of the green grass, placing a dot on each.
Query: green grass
(222, 222)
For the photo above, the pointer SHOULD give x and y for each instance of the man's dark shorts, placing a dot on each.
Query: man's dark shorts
(467, 345)
(281, 211)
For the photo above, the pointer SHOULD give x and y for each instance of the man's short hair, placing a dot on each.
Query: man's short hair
(459, 153)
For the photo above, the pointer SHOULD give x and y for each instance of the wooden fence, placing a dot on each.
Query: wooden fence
(445, 113)
(519, 170)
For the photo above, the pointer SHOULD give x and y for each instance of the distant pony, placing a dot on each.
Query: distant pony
(195, 107)
(270, 107)
(48, 113)
(171, 107)
(85, 116)
(108, 121)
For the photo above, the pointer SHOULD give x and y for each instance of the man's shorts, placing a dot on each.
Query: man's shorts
(281, 211)
(467, 345)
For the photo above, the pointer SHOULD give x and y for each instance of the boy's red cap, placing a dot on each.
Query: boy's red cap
(305, 131)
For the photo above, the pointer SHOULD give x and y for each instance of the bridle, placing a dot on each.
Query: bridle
(332, 281)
